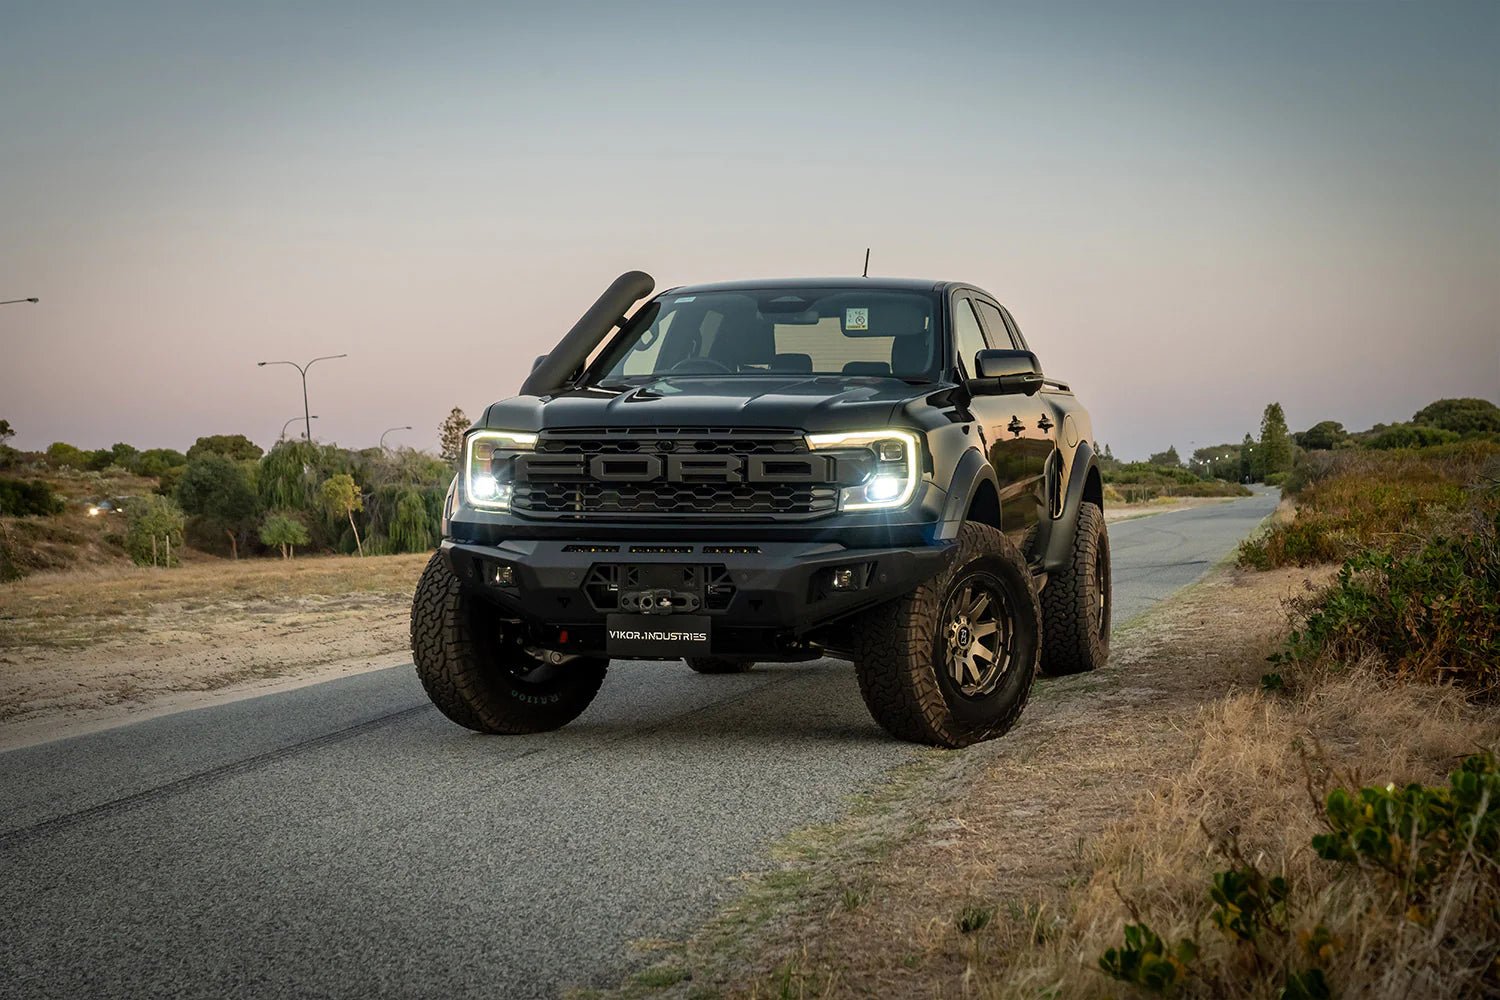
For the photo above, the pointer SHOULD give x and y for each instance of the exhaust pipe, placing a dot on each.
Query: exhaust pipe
(608, 312)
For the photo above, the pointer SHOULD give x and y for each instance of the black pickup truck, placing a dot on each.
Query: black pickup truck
(869, 469)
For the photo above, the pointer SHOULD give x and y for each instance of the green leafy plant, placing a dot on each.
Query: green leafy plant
(1417, 835)
(1145, 960)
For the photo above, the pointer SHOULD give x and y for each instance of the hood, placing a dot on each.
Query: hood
(808, 402)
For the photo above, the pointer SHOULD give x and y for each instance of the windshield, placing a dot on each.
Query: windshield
(779, 331)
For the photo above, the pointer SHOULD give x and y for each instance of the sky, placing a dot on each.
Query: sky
(1191, 208)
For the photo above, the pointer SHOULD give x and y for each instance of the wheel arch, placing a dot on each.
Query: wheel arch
(1085, 485)
(972, 490)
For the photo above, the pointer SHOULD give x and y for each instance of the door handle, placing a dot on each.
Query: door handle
(1045, 425)
(1015, 426)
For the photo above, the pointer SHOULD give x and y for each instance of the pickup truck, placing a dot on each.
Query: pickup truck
(868, 469)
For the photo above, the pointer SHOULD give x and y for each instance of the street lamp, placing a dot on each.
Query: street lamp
(11, 302)
(388, 430)
(289, 423)
(302, 369)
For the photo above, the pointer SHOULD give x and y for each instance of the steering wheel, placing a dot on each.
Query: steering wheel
(701, 366)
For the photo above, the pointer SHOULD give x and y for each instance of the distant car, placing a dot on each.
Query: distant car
(115, 505)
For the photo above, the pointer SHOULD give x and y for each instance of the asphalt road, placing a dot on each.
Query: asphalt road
(343, 840)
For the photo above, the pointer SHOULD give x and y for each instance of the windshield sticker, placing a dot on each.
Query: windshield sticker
(684, 298)
(856, 319)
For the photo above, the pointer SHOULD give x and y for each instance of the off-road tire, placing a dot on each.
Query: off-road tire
(718, 665)
(474, 676)
(899, 650)
(1075, 621)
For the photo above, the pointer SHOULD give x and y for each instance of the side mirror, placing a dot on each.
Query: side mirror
(1004, 373)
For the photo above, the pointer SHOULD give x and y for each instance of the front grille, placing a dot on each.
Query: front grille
(581, 498)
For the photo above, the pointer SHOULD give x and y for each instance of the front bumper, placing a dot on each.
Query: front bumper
(767, 594)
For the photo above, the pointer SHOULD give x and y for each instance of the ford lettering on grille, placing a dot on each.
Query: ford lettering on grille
(727, 473)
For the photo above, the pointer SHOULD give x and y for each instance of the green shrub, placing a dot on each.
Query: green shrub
(27, 499)
(1410, 436)
(153, 531)
(1348, 501)
(1420, 856)
(1427, 612)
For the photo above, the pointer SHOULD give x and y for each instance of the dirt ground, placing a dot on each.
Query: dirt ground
(80, 650)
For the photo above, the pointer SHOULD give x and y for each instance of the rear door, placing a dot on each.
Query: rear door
(1000, 424)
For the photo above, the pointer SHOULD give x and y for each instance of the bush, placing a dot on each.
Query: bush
(153, 531)
(26, 499)
(1410, 436)
(1428, 611)
(1349, 500)
(1424, 859)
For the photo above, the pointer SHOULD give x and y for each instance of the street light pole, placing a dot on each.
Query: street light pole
(11, 302)
(302, 370)
(289, 423)
(388, 430)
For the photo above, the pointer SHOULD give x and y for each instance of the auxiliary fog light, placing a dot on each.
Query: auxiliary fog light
(842, 579)
(502, 575)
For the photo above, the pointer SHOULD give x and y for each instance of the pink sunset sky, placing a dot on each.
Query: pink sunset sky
(1191, 209)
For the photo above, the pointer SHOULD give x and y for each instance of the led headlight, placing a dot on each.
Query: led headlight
(895, 472)
(487, 466)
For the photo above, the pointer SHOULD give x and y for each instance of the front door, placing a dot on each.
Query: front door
(1002, 426)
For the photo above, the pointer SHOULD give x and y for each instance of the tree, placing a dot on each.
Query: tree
(411, 527)
(1461, 416)
(283, 530)
(6, 431)
(1275, 442)
(154, 462)
(60, 454)
(340, 496)
(1248, 455)
(218, 490)
(1324, 435)
(153, 530)
(451, 435)
(1168, 457)
(235, 446)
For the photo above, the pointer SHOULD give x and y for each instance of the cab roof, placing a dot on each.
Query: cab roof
(755, 284)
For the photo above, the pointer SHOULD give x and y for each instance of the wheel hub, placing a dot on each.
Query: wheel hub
(978, 638)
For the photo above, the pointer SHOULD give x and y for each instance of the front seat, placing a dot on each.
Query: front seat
(911, 354)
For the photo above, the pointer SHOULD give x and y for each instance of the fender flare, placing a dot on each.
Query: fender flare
(1083, 479)
(972, 471)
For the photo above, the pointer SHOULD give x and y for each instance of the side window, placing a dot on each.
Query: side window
(968, 338)
(1015, 331)
(994, 321)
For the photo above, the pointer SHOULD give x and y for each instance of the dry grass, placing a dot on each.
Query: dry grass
(82, 648)
(1249, 778)
(75, 608)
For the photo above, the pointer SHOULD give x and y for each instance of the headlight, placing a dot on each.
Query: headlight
(487, 466)
(896, 471)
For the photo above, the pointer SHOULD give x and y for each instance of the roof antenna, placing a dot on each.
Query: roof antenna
(867, 263)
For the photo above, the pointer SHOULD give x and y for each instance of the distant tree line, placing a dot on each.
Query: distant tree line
(227, 496)
(1268, 457)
